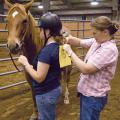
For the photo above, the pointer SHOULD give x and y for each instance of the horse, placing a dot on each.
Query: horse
(24, 37)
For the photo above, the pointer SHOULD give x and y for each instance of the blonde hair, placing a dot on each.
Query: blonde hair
(101, 23)
(59, 39)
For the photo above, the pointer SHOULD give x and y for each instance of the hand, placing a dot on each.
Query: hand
(68, 49)
(23, 60)
(67, 39)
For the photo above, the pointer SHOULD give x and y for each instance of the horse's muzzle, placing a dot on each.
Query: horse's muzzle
(14, 49)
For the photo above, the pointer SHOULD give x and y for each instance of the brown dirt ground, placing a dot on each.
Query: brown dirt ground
(16, 102)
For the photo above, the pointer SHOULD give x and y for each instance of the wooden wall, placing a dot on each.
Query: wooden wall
(78, 29)
(82, 29)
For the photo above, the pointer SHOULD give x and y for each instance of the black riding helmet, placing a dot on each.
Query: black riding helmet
(52, 22)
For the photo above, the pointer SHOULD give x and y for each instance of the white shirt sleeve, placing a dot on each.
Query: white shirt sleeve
(86, 42)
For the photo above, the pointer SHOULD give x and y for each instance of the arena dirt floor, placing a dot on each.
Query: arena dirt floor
(16, 102)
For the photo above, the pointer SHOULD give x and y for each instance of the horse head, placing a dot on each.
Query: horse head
(18, 21)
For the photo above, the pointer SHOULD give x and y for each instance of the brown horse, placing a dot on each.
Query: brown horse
(24, 36)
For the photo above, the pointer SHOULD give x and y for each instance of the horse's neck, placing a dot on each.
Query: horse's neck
(30, 49)
(32, 45)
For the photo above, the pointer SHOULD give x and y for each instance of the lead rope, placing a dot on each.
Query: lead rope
(22, 42)
(11, 55)
(14, 62)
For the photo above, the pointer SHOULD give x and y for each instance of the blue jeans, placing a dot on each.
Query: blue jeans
(46, 104)
(90, 107)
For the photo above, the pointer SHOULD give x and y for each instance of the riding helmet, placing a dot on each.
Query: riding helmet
(52, 22)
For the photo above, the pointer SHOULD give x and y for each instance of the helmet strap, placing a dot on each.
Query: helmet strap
(46, 38)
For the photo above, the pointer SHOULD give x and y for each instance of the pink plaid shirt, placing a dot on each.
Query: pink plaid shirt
(104, 56)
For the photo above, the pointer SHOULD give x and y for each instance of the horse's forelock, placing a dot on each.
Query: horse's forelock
(18, 8)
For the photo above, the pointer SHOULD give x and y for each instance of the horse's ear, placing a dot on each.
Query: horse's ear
(28, 5)
(8, 3)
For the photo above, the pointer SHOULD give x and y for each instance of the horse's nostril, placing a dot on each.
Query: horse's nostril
(17, 46)
(7, 45)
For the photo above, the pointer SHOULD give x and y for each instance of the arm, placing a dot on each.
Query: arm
(73, 41)
(86, 43)
(40, 74)
(85, 68)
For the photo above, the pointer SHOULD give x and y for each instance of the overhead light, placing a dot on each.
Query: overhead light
(94, 3)
(40, 6)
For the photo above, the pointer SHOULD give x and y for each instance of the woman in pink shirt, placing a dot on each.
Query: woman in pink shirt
(98, 67)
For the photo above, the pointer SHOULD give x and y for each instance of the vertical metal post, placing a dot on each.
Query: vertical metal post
(83, 28)
(83, 35)
(78, 29)
(46, 4)
(115, 12)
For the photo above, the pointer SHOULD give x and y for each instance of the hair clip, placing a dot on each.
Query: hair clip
(116, 27)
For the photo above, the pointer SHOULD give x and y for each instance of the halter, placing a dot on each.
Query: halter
(23, 37)
(21, 42)
(46, 38)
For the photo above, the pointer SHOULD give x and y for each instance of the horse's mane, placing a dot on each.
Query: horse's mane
(35, 33)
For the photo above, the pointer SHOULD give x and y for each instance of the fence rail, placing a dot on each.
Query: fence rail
(10, 72)
(3, 30)
(3, 45)
(8, 59)
(12, 85)
(70, 30)
(1, 15)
